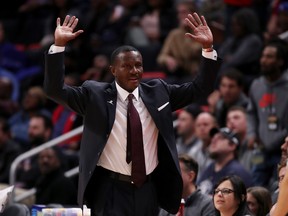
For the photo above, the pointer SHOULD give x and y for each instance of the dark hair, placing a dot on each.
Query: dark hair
(263, 198)
(190, 164)
(233, 74)
(240, 194)
(248, 20)
(282, 50)
(193, 109)
(48, 124)
(121, 49)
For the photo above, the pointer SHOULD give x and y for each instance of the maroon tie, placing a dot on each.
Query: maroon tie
(135, 151)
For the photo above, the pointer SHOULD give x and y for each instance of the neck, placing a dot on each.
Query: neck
(191, 189)
(229, 212)
(273, 76)
(187, 138)
(222, 161)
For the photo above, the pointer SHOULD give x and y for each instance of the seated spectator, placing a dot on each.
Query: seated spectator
(204, 122)
(186, 137)
(39, 131)
(33, 102)
(196, 203)
(229, 197)
(223, 150)
(230, 93)
(259, 200)
(180, 57)
(7, 105)
(9, 150)
(242, 49)
(237, 122)
(52, 186)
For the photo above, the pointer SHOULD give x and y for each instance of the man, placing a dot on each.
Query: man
(230, 94)
(223, 149)
(267, 111)
(196, 203)
(9, 150)
(187, 139)
(108, 182)
(205, 121)
(237, 122)
(39, 131)
(52, 186)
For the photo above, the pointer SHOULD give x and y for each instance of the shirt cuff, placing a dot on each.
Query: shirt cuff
(56, 49)
(210, 55)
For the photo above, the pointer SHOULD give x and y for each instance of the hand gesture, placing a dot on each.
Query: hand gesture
(201, 31)
(64, 33)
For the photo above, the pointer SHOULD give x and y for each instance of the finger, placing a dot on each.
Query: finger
(190, 35)
(58, 22)
(66, 20)
(192, 20)
(75, 22)
(71, 21)
(196, 17)
(203, 20)
(78, 33)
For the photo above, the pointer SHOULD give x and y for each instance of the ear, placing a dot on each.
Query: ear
(112, 70)
(192, 176)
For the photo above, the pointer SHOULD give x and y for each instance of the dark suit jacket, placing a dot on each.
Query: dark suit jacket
(91, 100)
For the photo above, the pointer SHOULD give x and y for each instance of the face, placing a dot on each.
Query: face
(269, 61)
(187, 176)
(182, 13)
(128, 70)
(284, 148)
(219, 146)
(185, 124)
(237, 122)
(252, 203)
(48, 161)
(225, 202)
(229, 90)
(203, 124)
(37, 132)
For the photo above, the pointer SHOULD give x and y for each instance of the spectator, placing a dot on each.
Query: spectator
(179, 57)
(204, 123)
(9, 150)
(237, 122)
(229, 197)
(33, 102)
(266, 111)
(40, 131)
(230, 93)
(223, 150)
(242, 49)
(186, 129)
(7, 105)
(52, 186)
(196, 203)
(259, 200)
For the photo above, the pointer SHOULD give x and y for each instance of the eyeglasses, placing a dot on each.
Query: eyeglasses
(224, 191)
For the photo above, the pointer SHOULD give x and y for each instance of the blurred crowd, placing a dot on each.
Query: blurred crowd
(249, 104)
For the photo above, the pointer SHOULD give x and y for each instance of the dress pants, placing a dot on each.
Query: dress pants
(115, 197)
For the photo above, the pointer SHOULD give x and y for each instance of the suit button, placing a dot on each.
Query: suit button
(90, 172)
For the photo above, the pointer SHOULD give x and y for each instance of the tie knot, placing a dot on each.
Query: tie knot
(130, 97)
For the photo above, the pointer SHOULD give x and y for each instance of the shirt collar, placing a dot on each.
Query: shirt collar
(124, 94)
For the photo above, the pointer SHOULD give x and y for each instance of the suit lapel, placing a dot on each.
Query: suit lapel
(111, 101)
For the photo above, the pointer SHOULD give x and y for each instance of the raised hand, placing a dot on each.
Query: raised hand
(200, 30)
(64, 33)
